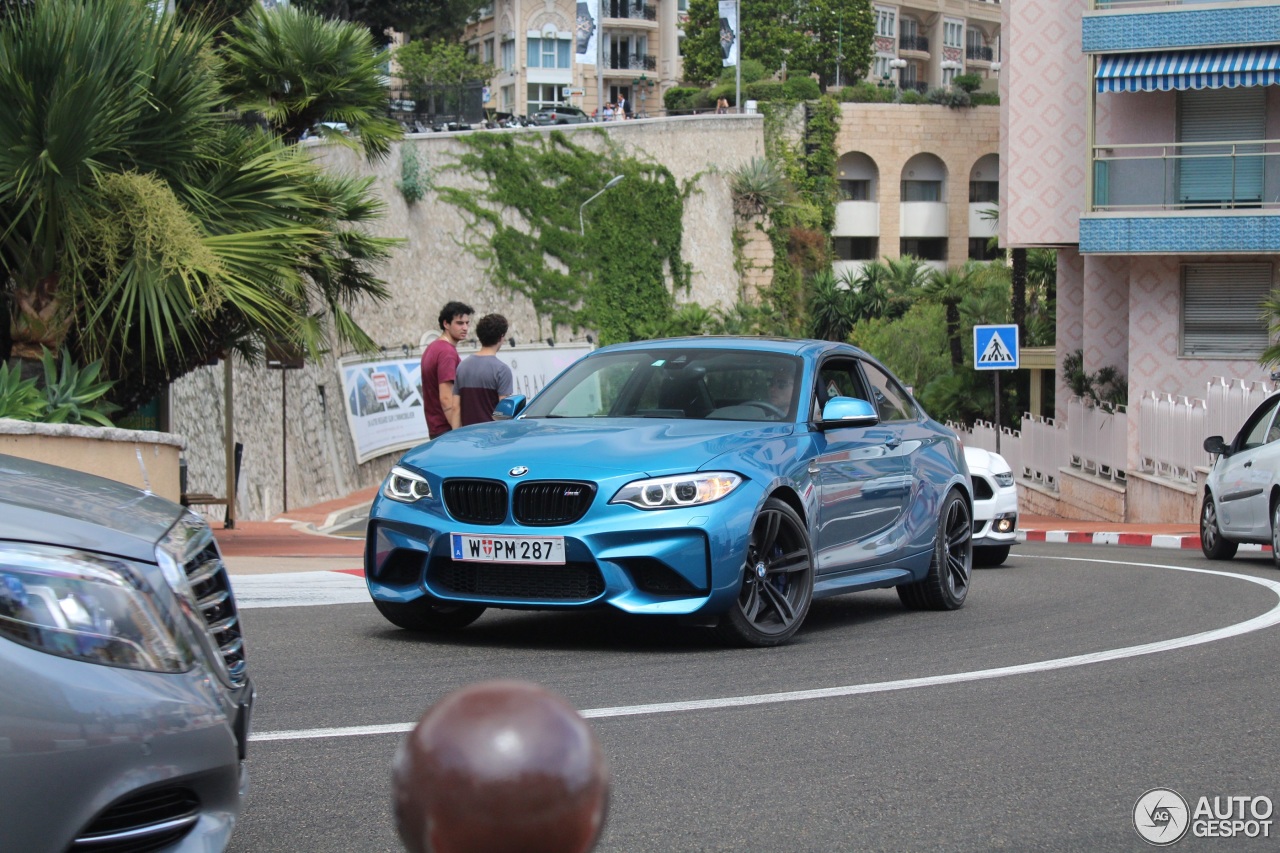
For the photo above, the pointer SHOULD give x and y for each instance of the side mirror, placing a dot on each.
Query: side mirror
(1215, 445)
(845, 412)
(509, 407)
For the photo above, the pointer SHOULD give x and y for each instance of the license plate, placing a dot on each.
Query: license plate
(470, 548)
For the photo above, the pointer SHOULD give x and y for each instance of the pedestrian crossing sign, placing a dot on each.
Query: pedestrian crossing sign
(995, 347)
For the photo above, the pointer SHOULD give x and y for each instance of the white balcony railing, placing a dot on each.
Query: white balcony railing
(1172, 429)
(1099, 438)
(1186, 175)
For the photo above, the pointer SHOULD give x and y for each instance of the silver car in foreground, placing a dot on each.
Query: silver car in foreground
(124, 700)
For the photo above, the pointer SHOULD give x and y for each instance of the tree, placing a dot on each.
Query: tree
(442, 66)
(703, 60)
(296, 70)
(429, 19)
(948, 288)
(833, 33)
(140, 226)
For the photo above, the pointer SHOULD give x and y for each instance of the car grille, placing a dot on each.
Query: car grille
(982, 490)
(151, 820)
(476, 501)
(552, 501)
(212, 588)
(570, 582)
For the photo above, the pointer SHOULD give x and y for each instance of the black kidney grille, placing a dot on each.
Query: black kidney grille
(547, 502)
(476, 501)
(570, 582)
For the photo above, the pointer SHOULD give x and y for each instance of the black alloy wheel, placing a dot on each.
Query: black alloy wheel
(1212, 543)
(946, 586)
(777, 580)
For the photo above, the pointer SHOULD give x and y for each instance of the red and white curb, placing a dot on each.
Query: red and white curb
(1146, 540)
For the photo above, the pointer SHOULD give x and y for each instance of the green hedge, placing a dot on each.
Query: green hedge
(868, 93)
(801, 89)
(680, 98)
(764, 90)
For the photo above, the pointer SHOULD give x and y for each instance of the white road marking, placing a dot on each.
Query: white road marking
(1266, 620)
(298, 589)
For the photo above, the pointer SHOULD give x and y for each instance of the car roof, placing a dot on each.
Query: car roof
(788, 346)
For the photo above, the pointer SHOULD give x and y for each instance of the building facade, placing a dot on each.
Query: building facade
(1137, 139)
(921, 44)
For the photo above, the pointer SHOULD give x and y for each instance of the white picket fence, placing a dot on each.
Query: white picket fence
(1171, 433)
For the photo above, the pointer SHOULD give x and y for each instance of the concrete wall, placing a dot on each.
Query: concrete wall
(429, 270)
(145, 460)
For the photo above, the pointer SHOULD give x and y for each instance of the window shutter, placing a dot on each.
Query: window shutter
(1221, 309)
(1213, 115)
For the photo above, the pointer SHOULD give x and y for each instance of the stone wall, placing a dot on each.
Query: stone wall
(429, 270)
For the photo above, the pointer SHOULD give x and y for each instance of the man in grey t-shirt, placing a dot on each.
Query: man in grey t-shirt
(482, 379)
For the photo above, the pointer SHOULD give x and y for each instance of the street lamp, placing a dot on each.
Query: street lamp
(898, 65)
(582, 225)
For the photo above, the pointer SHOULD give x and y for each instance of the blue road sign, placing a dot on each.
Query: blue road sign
(995, 347)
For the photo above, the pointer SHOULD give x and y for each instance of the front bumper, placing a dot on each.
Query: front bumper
(677, 561)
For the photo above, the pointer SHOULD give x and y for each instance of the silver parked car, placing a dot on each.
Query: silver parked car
(124, 700)
(1242, 491)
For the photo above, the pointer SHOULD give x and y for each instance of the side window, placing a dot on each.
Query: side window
(1258, 430)
(837, 377)
(892, 402)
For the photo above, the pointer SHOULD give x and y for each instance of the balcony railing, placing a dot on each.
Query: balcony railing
(633, 62)
(918, 85)
(979, 53)
(1102, 5)
(635, 11)
(1185, 175)
(918, 43)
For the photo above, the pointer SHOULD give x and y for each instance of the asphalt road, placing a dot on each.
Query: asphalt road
(1048, 757)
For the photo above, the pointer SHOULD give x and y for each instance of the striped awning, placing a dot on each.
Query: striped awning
(1189, 69)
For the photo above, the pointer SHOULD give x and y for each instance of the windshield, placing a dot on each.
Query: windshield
(735, 385)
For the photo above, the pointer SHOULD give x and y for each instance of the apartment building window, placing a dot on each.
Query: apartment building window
(922, 190)
(986, 192)
(508, 99)
(981, 249)
(1221, 313)
(488, 51)
(886, 20)
(543, 95)
(953, 34)
(880, 69)
(549, 53)
(924, 248)
(1214, 176)
(949, 75)
(856, 190)
(856, 248)
(508, 56)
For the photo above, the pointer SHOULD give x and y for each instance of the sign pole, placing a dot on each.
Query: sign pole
(995, 374)
(737, 70)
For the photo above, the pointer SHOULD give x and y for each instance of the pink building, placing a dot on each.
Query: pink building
(1138, 137)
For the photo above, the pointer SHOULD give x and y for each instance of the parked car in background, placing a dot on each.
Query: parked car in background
(560, 114)
(728, 481)
(124, 699)
(1242, 492)
(995, 506)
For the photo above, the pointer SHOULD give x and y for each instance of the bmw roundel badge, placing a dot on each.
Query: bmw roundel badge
(518, 471)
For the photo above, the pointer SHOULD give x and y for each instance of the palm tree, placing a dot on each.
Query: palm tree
(831, 308)
(296, 69)
(139, 225)
(948, 288)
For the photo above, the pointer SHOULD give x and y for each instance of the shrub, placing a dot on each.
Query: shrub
(728, 91)
(752, 70)
(69, 395)
(19, 398)
(969, 82)
(985, 99)
(949, 97)
(758, 187)
(680, 98)
(864, 92)
(764, 90)
(801, 89)
(911, 96)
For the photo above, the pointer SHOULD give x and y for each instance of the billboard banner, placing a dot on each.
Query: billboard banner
(382, 395)
(586, 31)
(729, 32)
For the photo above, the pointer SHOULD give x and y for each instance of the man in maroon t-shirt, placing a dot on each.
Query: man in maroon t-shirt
(440, 367)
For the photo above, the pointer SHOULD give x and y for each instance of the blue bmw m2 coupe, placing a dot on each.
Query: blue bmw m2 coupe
(726, 480)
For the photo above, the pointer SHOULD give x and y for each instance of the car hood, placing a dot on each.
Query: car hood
(984, 461)
(49, 505)
(622, 445)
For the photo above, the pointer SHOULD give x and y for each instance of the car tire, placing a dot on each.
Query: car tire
(429, 614)
(946, 586)
(990, 557)
(1212, 542)
(777, 580)
(1275, 534)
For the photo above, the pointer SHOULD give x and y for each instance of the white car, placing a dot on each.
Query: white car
(995, 506)
(1242, 491)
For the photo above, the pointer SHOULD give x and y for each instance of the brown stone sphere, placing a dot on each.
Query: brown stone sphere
(500, 766)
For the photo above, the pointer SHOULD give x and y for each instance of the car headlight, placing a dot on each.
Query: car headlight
(405, 486)
(682, 490)
(87, 608)
(1004, 479)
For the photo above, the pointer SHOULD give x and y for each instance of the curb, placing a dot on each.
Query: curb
(1147, 540)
